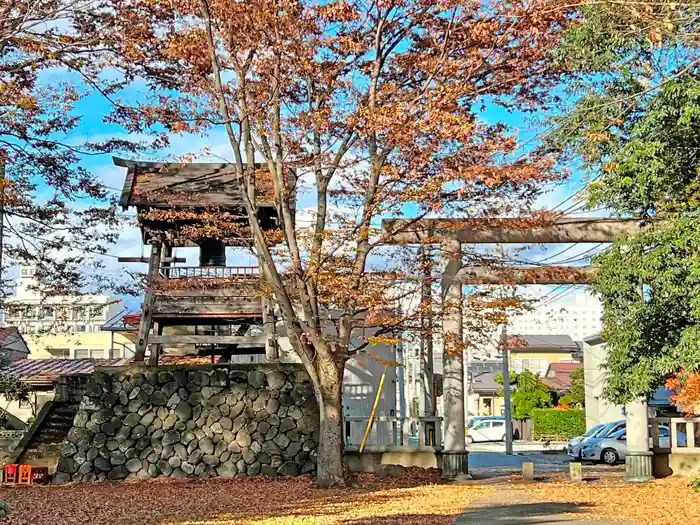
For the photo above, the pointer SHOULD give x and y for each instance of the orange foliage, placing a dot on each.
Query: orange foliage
(686, 391)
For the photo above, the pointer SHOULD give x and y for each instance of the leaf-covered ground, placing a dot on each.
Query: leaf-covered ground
(414, 499)
(664, 501)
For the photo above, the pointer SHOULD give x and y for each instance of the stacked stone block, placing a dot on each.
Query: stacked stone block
(237, 420)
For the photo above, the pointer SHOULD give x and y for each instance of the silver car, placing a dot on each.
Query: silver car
(613, 448)
(576, 444)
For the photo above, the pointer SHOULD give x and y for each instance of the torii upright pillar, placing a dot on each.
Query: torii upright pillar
(455, 465)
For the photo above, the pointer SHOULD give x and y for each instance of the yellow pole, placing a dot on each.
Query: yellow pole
(374, 411)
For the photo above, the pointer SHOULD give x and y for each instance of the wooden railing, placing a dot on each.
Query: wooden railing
(418, 433)
(209, 272)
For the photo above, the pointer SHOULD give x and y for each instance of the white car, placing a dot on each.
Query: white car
(613, 448)
(576, 444)
(492, 429)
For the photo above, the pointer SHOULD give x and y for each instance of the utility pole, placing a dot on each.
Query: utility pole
(506, 391)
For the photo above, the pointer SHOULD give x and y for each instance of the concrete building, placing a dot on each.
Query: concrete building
(598, 409)
(66, 327)
(577, 318)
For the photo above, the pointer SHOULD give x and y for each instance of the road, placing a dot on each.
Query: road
(493, 456)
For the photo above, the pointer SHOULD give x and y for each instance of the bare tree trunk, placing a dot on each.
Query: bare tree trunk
(330, 447)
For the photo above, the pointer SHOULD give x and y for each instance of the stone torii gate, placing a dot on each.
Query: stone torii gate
(450, 234)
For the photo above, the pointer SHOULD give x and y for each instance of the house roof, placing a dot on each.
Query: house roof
(549, 343)
(48, 370)
(558, 376)
(195, 184)
(11, 339)
(483, 376)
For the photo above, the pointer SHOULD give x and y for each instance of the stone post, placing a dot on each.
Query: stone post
(528, 471)
(575, 472)
(454, 456)
(638, 460)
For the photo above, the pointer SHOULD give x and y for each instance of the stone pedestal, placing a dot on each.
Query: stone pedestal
(455, 466)
(638, 466)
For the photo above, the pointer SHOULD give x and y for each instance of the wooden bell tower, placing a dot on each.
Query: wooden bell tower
(212, 308)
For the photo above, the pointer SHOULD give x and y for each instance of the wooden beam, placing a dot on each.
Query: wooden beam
(538, 275)
(207, 339)
(231, 290)
(146, 259)
(506, 230)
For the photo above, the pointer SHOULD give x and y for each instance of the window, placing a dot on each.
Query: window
(496, 424)
(481, 425)
(115, 353)
(80, 312)
(86, 353)
(24, 403)
(60, 353)
(46, 312)
(536, 366)
(79, 328)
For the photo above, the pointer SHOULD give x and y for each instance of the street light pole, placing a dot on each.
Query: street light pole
(506, 391)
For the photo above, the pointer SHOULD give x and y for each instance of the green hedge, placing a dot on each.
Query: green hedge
(558, 424)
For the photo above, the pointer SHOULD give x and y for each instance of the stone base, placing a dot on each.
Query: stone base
(455, 466)
(638, 467)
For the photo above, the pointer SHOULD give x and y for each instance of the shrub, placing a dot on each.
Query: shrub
(695, 484)
(558, 424)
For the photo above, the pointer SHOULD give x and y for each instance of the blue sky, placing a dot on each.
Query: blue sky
(92, 127)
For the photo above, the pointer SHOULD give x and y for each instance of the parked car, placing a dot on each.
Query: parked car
(473, 420)
(613, 448)
(492, 428)
(575, 445)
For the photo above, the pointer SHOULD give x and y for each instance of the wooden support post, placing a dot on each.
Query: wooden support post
(166, 258)
(156, 349)
(268, 315)
(147, 308)
(454, 457)
(528, 471)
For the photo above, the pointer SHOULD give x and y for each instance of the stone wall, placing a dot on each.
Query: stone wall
(200, 421)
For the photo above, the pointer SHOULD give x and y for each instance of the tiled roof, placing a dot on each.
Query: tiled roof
(42, 370)
(565, 368)
(558, 377)
(528, 342)
(11, 339)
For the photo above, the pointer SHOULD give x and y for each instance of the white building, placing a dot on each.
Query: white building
(580, 316)
(31, 313)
